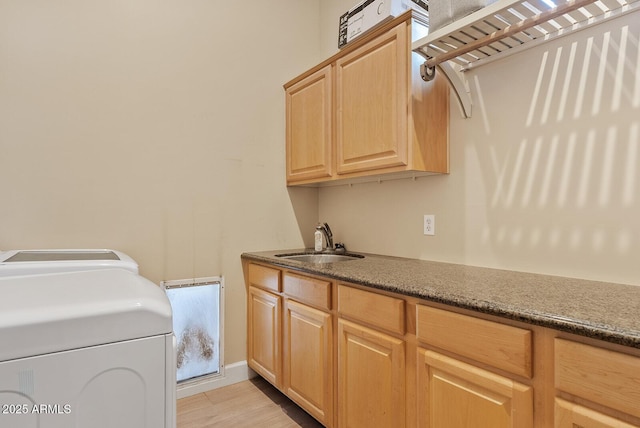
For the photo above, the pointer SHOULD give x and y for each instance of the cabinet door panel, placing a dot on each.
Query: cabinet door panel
(570, 415)
(454, 394)
(371, 378)
(308, 359)
(309, 139)
(371, 97)
(264, 334)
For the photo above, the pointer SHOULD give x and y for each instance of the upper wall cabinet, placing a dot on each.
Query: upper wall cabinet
(366, 113)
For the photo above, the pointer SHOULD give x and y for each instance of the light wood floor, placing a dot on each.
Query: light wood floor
(253, 403)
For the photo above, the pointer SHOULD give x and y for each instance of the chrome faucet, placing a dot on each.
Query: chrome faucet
(328, 236)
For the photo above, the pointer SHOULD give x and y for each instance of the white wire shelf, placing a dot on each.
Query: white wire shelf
(505, 27)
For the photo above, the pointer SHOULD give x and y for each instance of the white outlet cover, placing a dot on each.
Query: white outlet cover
(429, 224)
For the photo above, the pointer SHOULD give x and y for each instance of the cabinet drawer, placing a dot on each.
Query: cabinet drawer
(264, 277)
(599, 375)
(308, 290)
(501, 346)
(376, 309)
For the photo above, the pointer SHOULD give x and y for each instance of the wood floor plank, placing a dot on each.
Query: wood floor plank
(252, 403)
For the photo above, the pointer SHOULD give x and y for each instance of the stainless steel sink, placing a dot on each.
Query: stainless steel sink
(321, 258)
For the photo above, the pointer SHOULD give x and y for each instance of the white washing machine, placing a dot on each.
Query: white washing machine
(26, 262)
(90, 348)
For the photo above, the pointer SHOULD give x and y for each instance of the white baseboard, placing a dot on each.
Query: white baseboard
(233, 373)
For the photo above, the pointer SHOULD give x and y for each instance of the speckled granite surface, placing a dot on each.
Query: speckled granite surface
(599, 310)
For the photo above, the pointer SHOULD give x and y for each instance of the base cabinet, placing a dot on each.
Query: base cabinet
(290, 337)
(354, 357)
(308, 359)
(371, 378)
(454, 394)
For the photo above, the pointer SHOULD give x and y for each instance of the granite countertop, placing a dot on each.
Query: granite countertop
(599, 310)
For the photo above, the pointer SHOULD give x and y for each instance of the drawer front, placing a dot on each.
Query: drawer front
(376, 309)
(501, 346)
(264, 277)
(599, 375)
(315, 292)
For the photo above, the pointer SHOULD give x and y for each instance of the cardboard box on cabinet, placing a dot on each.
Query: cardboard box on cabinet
(369, 13)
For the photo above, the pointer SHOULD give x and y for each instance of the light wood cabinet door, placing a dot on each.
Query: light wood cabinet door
(571, 415)
(371, 378)
(372, 93)
(263, 334)
(308, 360)
(309, 127)
(454, 394)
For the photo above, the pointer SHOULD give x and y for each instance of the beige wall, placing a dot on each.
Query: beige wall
(544, 177)
(155, 128)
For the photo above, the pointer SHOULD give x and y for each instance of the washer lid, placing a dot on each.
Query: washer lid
(28, 262)
(40, 314)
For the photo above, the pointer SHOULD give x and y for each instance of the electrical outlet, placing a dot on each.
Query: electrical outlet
(429, 224)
